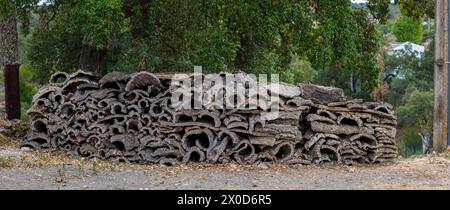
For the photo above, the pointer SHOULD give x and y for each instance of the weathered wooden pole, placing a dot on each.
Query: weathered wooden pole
(12, 91)
(441, 88)
(447, 48)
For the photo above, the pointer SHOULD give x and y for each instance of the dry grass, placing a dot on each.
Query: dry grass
(49, 159)
(9, 142)
(31, 159)
(5, 162)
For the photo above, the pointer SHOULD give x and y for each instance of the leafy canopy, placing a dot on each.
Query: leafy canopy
(408, 29)
(327, 37)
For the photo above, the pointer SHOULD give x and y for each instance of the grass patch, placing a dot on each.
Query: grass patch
(8, 141)
(409, 143)
(28, 88)
(6, 162)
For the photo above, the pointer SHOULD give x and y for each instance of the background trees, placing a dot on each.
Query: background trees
(410, 80)
(338, 43)
(408, 29)
(328, 42)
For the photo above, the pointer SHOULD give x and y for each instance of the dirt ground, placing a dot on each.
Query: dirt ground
(40, 170)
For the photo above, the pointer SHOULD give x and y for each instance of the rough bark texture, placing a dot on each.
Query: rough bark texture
(9, 53)
(441, 106)
(130, 118)
(9, 57)
(321, 94)
(91, 58)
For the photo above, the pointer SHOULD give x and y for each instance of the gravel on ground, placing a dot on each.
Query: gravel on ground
(39, 170)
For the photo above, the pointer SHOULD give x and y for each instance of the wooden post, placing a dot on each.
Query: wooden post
(12, 91)
(440, 124)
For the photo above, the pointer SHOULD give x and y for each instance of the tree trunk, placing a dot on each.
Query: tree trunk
(9, 53)
(91, 58)
(243, 54)
(426, 142)
(352, 83)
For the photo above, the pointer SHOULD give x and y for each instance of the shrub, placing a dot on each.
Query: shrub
(27, 89)
(408, 29)
(299, 70)
(409, 143)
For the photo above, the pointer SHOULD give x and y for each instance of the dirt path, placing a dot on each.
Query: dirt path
(37, 170)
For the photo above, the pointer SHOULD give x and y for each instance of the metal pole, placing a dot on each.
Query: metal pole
(12, 91)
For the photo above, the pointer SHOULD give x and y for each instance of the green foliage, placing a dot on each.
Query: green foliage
(8, 7)
(99, 20)
(379, 9)
(386, 27)
(251, 36)
(348, 49)
(409, 143)
(418, 9)
(299, 70)
(24, 46)
(133, 55)
(417, 110)
(383, 28)
(54, 46)
(365, 66)
(336, 35)
(27, 90)
(265, 62)
(214, 50)
(414, 74)
(411, 92)
(408, 29)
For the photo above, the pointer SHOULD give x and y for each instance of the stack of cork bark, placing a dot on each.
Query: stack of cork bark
(134, 118)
